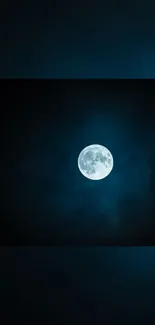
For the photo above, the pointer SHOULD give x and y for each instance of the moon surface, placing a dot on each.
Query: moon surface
(95, 162)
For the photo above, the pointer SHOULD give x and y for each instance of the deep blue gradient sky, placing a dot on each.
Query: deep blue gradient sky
(78, 285)
(78, 39)
(45, 128)
(44, 197)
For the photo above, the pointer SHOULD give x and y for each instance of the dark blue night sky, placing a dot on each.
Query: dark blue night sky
(45, 128)
(78, 285)
(78, 39)
(44, 199)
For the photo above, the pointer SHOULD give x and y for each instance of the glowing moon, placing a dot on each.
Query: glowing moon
(95, 162)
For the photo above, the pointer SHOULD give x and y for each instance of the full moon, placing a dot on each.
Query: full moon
(95, 162)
